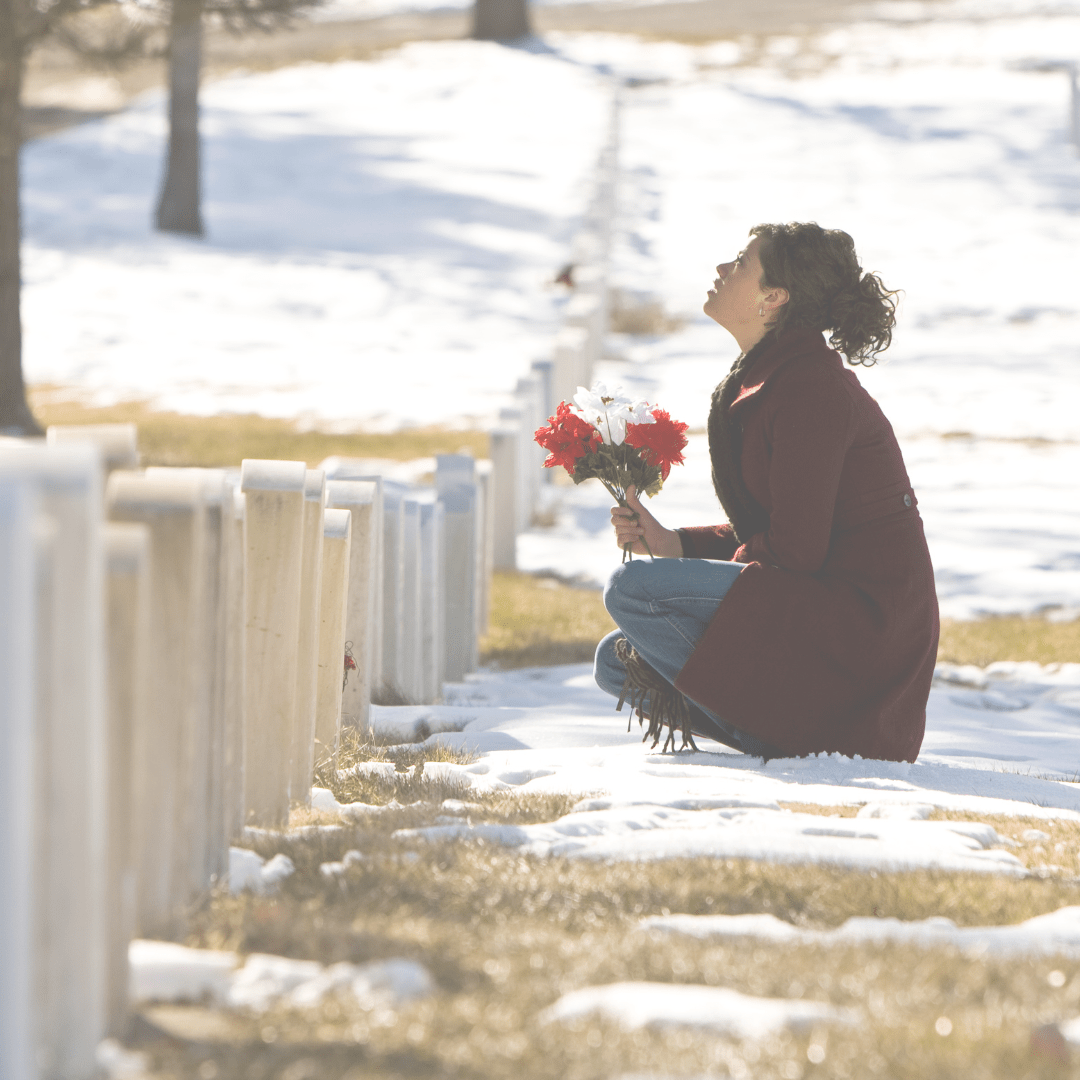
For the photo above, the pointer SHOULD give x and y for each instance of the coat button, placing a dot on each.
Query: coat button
(907, 500)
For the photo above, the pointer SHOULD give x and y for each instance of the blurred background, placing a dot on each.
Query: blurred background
(362, 244)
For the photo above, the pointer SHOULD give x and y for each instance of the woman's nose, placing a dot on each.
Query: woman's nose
(722, 270)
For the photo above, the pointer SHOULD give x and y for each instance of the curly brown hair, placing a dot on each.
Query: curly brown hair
(827, 288)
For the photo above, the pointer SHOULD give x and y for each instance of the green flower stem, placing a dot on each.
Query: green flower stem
(619, 495)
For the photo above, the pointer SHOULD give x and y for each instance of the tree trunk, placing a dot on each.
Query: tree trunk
(179, 206)
(15, 416)
(500, 20)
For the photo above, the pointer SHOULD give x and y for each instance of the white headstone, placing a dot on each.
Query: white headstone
(118, 442)
(485, 555)
(411, 644)
(303, 734)
(18, 1001)
(172, 505)
(363, 628)
(202, 853)
(339, 469)
(235, 669)
(273, 545)
(463, 509)
(333, 619)
(127, 593)
(570, 368)
(69, 800)
(391, 681)
(504, 457)
(432, 656)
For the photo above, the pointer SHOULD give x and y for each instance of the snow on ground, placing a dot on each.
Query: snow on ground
(951, 168)
(381, 239)
(712, 1008)
(1001, 741)
(364, 220)
(368, 220)
(162, 971)
(1054, 934)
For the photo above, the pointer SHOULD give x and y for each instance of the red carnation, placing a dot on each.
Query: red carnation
(663, 442)
(566, 438)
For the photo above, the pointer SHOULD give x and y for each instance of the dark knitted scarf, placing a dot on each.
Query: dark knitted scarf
(746, 515)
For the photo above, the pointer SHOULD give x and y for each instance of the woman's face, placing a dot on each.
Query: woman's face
(736, 295)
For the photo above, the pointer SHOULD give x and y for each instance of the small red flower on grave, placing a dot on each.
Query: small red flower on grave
(567, 437)
(661, 443)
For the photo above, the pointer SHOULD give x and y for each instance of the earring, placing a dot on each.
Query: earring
(761, 310)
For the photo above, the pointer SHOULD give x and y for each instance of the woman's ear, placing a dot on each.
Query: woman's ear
(776, 299)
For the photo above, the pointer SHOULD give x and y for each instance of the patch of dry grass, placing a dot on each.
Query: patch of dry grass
(1009, 637)
(638, 315)
(540, 620)
(169, 438)
(504, 936)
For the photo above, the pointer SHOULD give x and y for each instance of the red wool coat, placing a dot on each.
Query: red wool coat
(827, 640)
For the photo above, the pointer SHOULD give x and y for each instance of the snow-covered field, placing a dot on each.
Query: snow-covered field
(381, 241)
(1001, 741)
(382, 237)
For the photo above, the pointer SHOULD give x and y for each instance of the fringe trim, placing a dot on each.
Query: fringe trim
(667, 707)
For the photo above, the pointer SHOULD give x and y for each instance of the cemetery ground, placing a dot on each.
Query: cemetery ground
(466, 847)
(504, 934)
(536, 619)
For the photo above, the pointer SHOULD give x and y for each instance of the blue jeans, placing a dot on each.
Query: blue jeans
(662, 608)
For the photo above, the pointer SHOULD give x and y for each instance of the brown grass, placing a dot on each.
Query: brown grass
(539, 620)
(1009, 637)
(637, 315)
(505, 935)
(168, 438)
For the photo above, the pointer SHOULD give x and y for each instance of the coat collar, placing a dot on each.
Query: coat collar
(799, 341)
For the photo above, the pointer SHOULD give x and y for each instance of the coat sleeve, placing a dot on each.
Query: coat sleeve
(811, 427)
(708, 542)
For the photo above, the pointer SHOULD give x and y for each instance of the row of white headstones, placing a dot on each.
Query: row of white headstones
(179, 648)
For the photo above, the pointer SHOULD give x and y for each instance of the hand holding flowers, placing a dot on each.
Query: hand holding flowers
(629, 446)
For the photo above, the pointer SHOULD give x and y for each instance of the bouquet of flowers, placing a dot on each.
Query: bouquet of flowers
(621, 442)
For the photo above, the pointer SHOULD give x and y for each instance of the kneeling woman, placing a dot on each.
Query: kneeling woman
(809, 623)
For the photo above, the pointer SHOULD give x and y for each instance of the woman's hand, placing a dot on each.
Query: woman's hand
(635, 525)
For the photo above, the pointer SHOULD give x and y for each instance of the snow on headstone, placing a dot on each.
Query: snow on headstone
(363, 625)
(333, 621)
(273, 548)
(303, 732)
